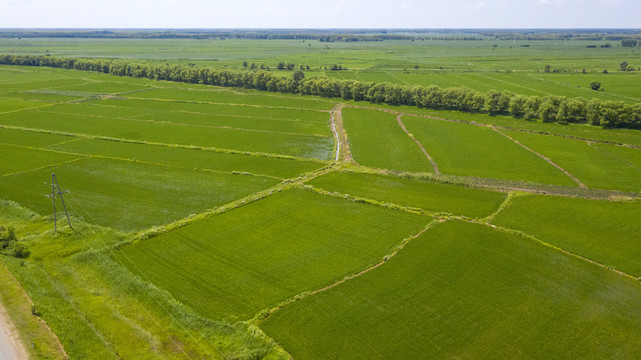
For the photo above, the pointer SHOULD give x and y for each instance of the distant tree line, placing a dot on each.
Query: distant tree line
(331, 35)
(612, 114)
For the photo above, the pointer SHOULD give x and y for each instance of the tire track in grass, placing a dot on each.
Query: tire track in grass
(591, 144)
(582, 185)
(400, 122)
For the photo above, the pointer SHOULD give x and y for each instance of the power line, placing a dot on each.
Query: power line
(55, 190)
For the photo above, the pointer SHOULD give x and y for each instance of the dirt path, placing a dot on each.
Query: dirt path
(342, 150)
(400, 122)
(10, 346)
(582, 185)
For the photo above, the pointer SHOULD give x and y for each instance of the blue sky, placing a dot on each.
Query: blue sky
(321, 14)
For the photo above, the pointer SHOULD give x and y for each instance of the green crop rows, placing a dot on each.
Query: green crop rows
(215, 223)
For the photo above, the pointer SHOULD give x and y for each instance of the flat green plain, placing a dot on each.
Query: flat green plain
(469, 150)
(376, 140)
(242, 140)
(129, 196)
(604, 231)
(235, 264)
(593, 167)
(195, 159)
(466, 291)
(427, 195)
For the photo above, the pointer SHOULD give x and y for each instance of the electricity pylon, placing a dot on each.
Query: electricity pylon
(55, 190)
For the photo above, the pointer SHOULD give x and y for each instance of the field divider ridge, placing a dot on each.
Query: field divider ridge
(400, 122)
(29, 108)
(259, 195)
(500, 185)
(368, 201)
(99, 258)
(82, 157)
(332, 121)
(338, 129)
(547, 159)
(508, 200)
(48, 147)
(264, 314)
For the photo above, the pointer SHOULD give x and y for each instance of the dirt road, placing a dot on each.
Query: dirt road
(10, 346)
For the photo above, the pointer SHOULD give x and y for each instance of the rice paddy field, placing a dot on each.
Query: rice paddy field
(225, 223)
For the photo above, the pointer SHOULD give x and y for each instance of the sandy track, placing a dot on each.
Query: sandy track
(10, 346)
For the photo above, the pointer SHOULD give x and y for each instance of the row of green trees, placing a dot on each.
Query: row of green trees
(547, 109)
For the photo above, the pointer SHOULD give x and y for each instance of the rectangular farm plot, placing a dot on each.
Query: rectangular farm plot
(242, 122)
(191, 158)
(603, 231)
(218, 95)
(592, 166)
(238, 263)
(242, 140)
(14, 159)
(31, 138)
(469, 150)
(427, 195)
(11, 104)
(466, 291)
(98, 109)
(129, 196)
(180, 117)
(241, 110)
(627, 155)
(377, 140)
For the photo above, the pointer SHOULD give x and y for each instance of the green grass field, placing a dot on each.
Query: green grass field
(464, 149)
(465, 291)
(376, 140)
(17, 160)
(129, 196)
(287, 243)
(429, 196)
(604, 231)
(191, 159)
(593, 167)
(213, 223)
(226, 97)
(161, 132)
